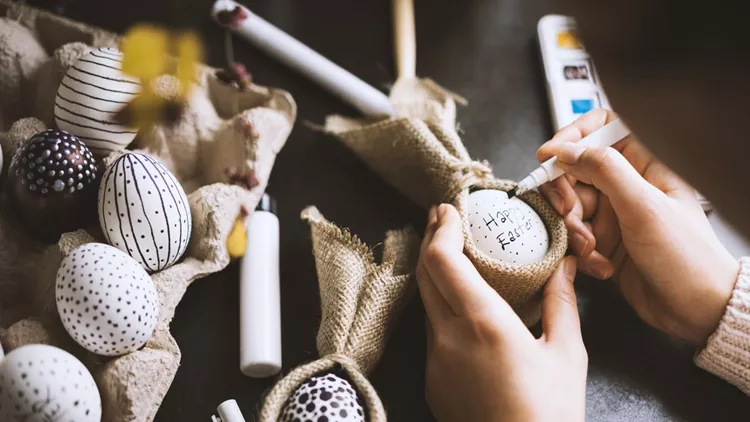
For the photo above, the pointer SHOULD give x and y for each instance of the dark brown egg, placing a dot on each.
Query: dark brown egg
(52, 184)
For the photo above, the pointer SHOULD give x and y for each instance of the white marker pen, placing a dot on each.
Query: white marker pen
(228, 411)
(606, 136)
(298, 56)
(260, 308)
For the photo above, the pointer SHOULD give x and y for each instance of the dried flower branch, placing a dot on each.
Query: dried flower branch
(247, 180)
(232, 17)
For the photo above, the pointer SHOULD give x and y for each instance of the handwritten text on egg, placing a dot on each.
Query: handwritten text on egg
(514, 216)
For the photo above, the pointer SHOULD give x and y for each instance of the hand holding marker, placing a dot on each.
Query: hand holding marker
(607, 136)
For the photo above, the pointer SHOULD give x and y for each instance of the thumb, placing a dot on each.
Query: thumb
(560, 321)
(607, 170)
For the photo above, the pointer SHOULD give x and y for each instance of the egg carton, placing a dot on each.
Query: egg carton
(222, 129)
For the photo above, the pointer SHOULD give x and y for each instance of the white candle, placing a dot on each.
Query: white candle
(296, 55)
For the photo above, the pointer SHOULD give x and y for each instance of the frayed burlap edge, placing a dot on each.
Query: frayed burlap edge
(439, 169)
(360, 302)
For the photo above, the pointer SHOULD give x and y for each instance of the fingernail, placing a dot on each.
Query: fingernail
(431, 214)
(570, 268)
(601, 269)
(441, 211)
(579, 243)
(556, 200)
(569, 153)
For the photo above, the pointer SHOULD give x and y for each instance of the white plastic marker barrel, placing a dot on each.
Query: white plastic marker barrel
(290, 51)
(228, 411)
(260, 308)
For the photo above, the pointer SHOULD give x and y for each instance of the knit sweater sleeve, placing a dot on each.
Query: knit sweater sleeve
(727, 352)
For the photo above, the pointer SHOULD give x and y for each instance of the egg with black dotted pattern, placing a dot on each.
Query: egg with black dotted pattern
(106, 300)
(44, 383)
(505, 229)
(144, 211)
(52, 183)
(324, 398)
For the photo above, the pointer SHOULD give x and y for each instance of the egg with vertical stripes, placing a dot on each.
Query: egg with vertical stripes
(144, 211)
(90, 95)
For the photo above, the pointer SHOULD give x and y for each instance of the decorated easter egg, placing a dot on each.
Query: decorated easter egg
(326, 397)
(144, 211)
(106, 301)
(90, 95)
(44, 383)
(505, 229)
(52, 183)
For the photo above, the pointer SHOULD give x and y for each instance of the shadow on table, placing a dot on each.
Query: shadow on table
(638, 373)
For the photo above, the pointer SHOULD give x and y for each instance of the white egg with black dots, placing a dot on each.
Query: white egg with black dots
(106, 300)
(90, 95)
(44, 383)
(144, 211)
(325, 397)
(506, 229)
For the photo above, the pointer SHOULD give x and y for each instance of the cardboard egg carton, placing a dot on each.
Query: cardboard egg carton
(222, 129)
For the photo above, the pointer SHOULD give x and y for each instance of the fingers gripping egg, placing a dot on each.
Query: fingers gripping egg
(144, 211)
(105, 299)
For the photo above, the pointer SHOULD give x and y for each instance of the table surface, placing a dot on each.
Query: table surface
(485, 51)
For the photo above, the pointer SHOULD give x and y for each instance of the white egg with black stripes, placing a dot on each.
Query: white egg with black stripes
(144, 211)
(91, 93)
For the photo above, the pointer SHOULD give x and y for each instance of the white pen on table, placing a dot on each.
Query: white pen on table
(606, 136)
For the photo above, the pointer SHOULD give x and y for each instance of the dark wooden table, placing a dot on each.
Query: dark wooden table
(484, 50)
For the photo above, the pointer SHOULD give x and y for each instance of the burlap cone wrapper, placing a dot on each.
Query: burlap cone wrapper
(360, 301)
(210, 137)
(421, 155)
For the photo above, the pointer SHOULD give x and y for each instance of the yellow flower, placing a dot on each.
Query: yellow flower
(146, 51)
(237, 239)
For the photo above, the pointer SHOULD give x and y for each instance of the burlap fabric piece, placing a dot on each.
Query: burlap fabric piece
(421, 155)
(360, 301)
(220, 129)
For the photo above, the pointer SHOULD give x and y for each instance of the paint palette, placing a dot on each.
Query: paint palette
(572, 84)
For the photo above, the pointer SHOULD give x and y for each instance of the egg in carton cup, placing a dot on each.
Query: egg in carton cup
(419, 153)
(360, 303)
(221, 129)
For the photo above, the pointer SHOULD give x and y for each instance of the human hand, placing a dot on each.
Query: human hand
(631, 218)
(483, 364)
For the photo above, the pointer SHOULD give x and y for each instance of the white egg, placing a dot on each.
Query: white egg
(105, 299)
(144, 211)
(326, 397)
(91, 93)
(506, 229)
(44, 383)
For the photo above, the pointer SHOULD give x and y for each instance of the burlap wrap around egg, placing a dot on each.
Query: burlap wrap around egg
(420, 154)
(360, 302)
(212, 136)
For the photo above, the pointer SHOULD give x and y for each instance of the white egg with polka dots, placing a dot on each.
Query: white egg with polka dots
(44, 383)
(144, 211)
(508, 230)
(324, 398)
(106, 301)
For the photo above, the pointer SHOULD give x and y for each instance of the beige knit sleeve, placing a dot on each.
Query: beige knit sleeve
(727, 353)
